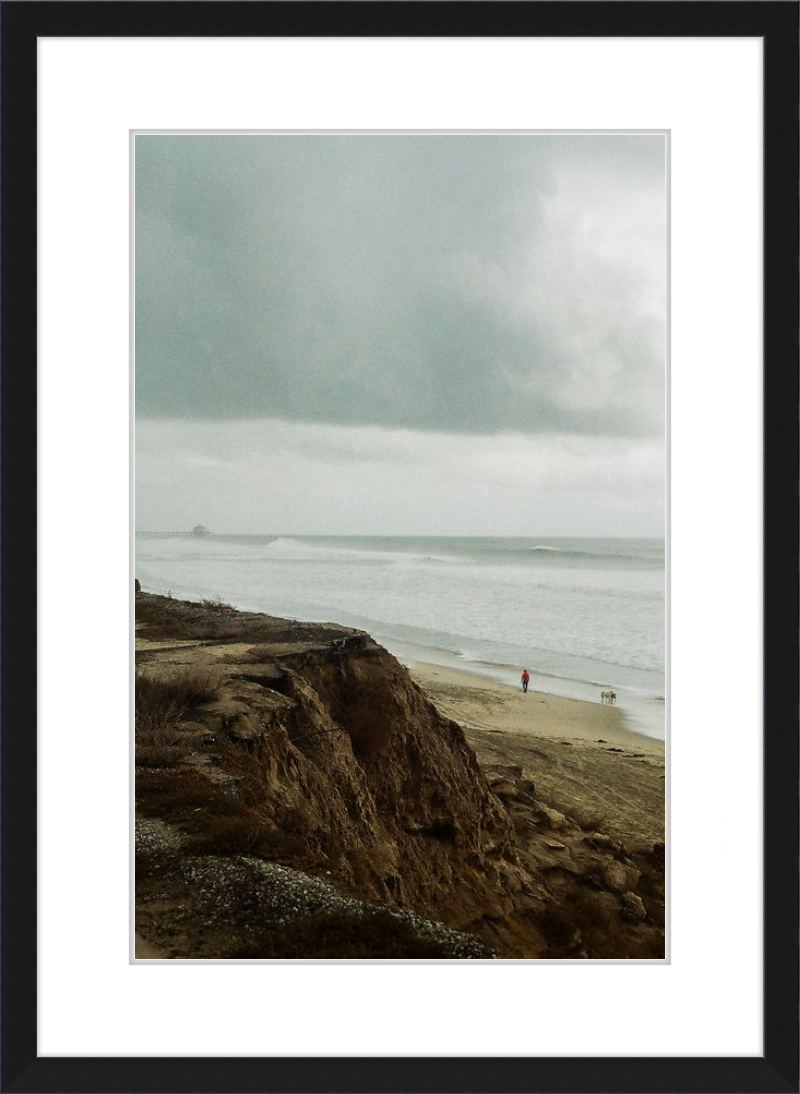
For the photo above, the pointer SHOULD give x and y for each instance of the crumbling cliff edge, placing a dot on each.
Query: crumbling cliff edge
(298, 795)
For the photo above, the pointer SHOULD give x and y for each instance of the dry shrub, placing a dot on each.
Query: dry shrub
(162, 699)
(217, 604)
(162, 703)
(162, 617)
(167, 750)
(194, 687)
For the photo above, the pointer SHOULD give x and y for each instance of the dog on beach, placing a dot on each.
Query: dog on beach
(608, 697)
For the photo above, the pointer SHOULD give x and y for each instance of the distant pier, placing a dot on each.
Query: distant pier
(172, 535)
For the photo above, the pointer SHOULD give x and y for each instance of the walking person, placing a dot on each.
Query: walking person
(525, 678)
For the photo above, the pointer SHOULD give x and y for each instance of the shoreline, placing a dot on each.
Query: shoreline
(634, 713)
(643, 701)
(488, 703)
(643, 715)
(584, 762)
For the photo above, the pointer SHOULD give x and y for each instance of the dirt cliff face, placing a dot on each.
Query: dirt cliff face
(312, 748)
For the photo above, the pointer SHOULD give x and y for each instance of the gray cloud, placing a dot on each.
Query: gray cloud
(466, 284)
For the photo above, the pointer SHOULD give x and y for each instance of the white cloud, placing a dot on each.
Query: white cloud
(265, 476)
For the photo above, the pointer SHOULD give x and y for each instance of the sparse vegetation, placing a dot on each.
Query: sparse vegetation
(161, 617)
(157, 695)
(217, 604)
(161, 706)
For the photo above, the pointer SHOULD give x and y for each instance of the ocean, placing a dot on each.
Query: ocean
(582, 614)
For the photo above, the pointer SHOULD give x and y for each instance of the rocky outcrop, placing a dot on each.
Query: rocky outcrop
(323, 757)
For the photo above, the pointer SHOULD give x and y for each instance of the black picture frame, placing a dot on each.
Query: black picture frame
(21, 1069)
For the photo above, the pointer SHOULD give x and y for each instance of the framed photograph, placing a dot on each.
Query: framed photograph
(664, 135)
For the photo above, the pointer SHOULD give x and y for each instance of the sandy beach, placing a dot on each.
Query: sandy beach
(299, 766)
(580, 755)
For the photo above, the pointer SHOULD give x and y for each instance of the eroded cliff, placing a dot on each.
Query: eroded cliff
(298, 795)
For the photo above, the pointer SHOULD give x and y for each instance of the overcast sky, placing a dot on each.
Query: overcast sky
(401, 334)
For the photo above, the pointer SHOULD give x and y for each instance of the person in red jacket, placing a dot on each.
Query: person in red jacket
(525, 678)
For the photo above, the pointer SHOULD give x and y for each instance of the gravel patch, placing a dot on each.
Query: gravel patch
(246, 893)
(153, 836)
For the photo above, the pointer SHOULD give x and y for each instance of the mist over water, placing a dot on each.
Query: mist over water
(581, 614)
